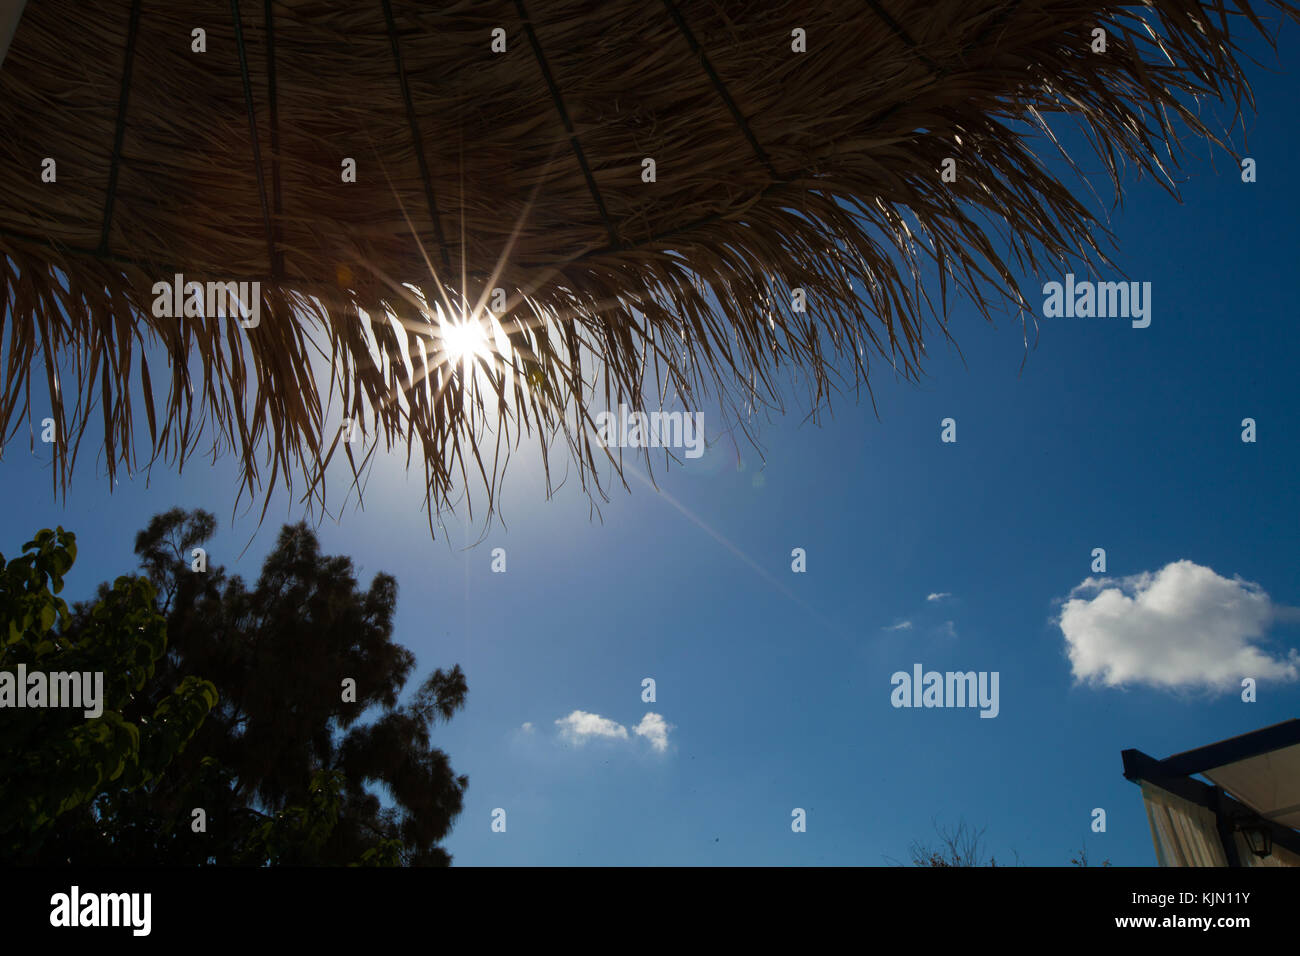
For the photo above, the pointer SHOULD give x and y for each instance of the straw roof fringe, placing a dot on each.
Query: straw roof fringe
(523, 169)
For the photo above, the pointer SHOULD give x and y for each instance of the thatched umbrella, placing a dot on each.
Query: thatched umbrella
(644, 181)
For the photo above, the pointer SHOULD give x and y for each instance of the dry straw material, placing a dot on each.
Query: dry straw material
(797, 145)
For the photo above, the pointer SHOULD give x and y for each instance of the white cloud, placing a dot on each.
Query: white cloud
(938, 596)
(1183, 626)
(902, 626)
(654, 729)
(527, 727)
(948, 629)
(580, 725)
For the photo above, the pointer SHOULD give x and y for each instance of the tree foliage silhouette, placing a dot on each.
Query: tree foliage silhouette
(284, 769)
(958, 846)
(53, 760)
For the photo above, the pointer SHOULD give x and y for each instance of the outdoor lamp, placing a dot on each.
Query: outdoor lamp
(1259, 839)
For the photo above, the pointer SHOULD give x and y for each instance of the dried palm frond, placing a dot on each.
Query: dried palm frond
(522, 170)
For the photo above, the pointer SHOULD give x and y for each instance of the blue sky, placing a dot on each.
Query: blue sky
(776, 685)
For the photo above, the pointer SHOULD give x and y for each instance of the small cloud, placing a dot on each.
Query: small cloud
(527, 727)
(901, 626)
(948, 629)
(654, 729)
(938, 596)
(580, 725)
(1183, 626)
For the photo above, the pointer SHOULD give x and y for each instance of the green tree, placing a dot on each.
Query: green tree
(285, 769)
(54, 760)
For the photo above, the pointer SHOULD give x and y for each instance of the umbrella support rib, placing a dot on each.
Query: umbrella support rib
(252, 130)
(906, 37)
(721, 88)
(994, 22)
(277, 196)
(568, 125)
(119, 134)
(416, 142)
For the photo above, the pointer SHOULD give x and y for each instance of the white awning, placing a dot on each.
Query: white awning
(1254, 798)
(1268, 783)
(1183, 833)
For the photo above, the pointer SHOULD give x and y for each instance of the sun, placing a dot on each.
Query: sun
(463, 339)
(460, 346)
